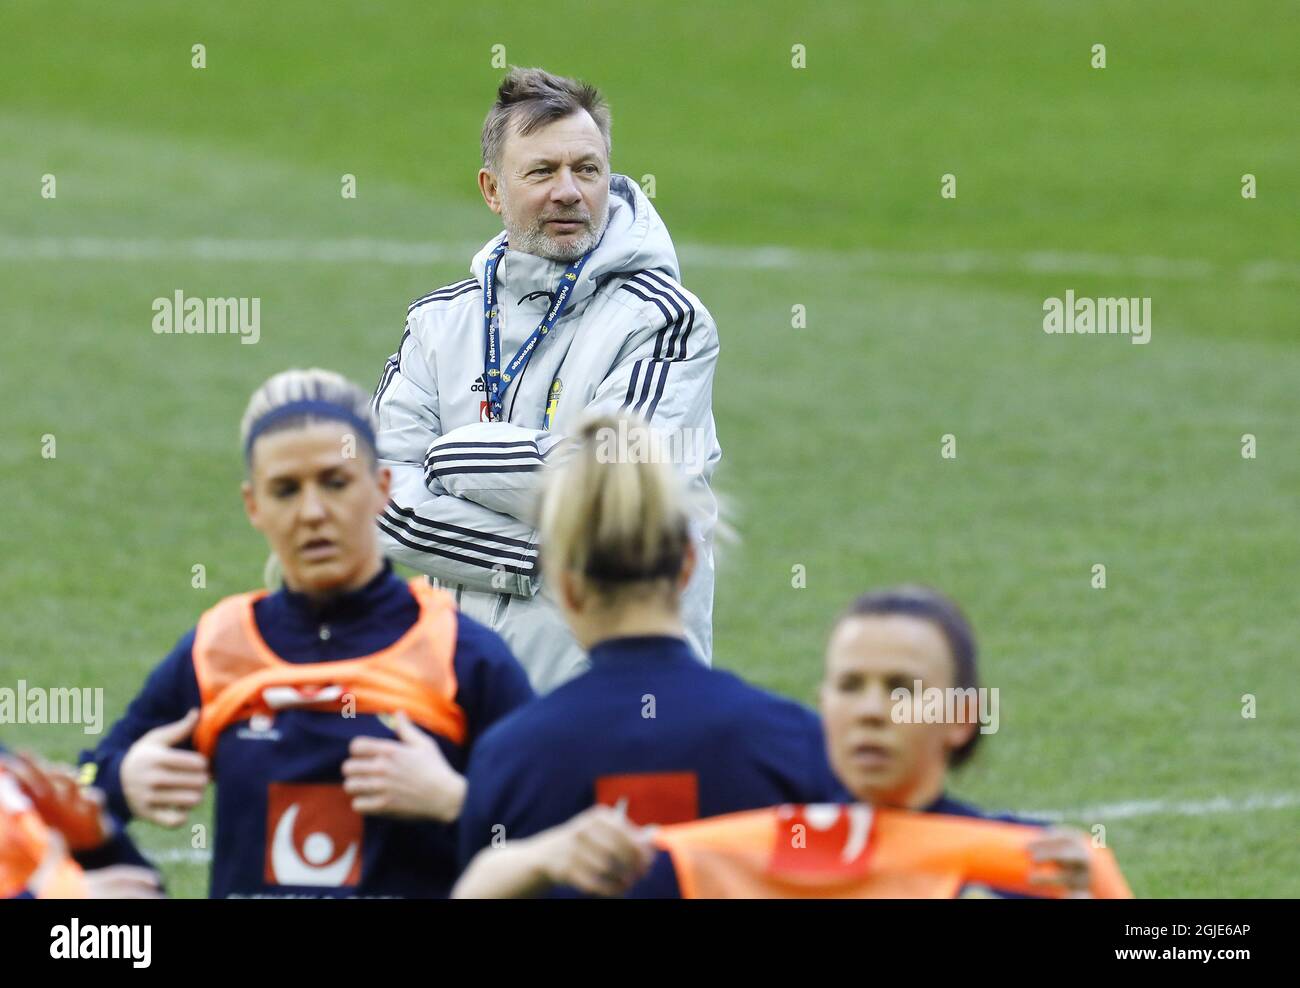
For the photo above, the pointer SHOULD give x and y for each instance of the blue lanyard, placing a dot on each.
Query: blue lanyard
(495, 379)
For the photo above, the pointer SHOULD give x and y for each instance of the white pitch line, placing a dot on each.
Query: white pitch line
(232, 250)
(1160, 807)
(177, 855)
(421, 254)
(1105, 811)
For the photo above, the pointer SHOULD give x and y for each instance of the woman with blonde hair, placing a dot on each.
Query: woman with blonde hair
(335, 714)
(649, 735)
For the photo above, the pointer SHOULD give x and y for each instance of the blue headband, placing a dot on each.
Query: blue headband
(316, 409)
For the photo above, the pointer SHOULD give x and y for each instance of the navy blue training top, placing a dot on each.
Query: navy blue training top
(278, 781)
(647, 708)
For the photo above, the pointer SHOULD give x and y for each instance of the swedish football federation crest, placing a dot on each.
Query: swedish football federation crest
(553, 402)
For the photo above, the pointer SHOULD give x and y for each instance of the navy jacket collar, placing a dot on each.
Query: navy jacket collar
(950, 806)
(343, 606)
(640, 648)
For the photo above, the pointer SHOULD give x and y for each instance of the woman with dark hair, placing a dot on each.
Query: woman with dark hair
(901, 705)
(884, 648)
(335, 714)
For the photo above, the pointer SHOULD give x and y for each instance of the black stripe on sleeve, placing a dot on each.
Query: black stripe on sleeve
(444, 294)
(396, 536)
(438, 526)
(660, 288)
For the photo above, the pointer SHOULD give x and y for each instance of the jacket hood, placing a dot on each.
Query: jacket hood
(635, 239)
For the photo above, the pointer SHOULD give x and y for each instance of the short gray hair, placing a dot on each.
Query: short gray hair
(536, 98)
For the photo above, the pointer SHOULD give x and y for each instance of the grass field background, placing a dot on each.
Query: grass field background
(1119, 706)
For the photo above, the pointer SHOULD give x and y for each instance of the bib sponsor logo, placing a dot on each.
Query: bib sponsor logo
(261, 727)
(313, 836)
(822, 839)
(652, 797)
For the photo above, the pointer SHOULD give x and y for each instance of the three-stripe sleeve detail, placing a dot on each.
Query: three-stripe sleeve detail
(394, 364)
(391, 368)
(650, 374)
(464, 545)
(443, 460)
(444, 294)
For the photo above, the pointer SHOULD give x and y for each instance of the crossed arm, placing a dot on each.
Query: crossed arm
(465, 502)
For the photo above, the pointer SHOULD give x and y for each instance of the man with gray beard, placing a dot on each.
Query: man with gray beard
(577, 306)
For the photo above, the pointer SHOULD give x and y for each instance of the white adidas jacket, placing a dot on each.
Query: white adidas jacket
(466, 491)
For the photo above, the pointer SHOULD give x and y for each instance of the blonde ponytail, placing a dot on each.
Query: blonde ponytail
(611, 511)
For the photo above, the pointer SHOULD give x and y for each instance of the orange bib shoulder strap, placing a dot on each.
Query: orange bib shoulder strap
(225, 645)
(239, 676)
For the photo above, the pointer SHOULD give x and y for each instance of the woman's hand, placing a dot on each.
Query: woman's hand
(162, 783)
(1068, 850)
(408, 777)
(56, 875)
(122, 882)
(598, 852)
(73, 810)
